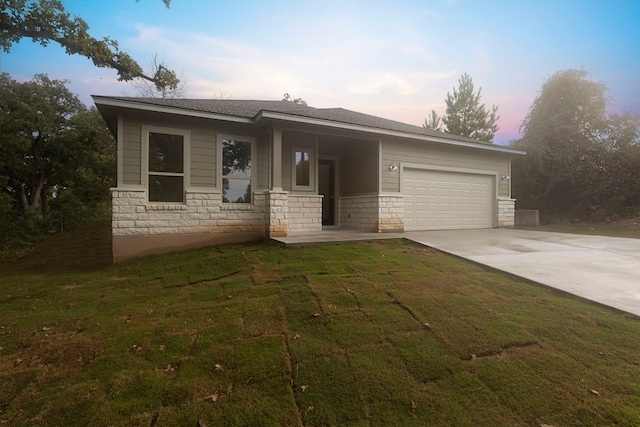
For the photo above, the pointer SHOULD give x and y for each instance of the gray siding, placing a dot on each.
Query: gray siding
(397, 151)
(203, 158)
(262, 164)
(358, 168)
(131, 174)
(203, 173)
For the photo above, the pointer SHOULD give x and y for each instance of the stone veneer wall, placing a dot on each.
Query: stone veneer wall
(391, 211)
(203, 212)
(506, 213)
(305, 213)
(276, 213)
(374, 212)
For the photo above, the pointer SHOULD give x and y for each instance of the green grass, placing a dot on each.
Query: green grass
(371, 334)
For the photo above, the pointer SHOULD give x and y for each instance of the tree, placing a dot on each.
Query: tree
(300, 101)
(50, 144)
(47, 21)
(466, 116)
(34, 116)
(433, 122)
(579, 160)
(147, 89)
(82, 192)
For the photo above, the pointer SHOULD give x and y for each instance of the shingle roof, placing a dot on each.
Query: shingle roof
(251, 108)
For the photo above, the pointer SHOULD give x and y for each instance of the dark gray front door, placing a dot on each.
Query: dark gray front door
(326, 187)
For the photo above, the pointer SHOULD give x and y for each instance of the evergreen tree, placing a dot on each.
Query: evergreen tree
(433, 122)
(466, 116)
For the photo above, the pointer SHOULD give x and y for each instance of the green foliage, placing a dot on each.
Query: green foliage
(465, 115)
(57, 158)
(300, 101)
(580, 161)
(47, 21)
(433, 122)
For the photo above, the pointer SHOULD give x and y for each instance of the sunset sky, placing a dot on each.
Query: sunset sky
(394, 59)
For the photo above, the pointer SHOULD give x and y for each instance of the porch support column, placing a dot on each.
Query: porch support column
(276, 199)
(276, 160)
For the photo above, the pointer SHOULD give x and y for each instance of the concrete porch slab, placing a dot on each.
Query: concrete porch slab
(330, 235)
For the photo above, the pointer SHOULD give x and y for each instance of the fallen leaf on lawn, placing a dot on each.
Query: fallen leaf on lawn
(314, 315)
(201, 423)
(413, 406)
(163, 347)
(546, 425)
(213, 397)
(595, 392)
(296, 337)
(304, 387)
(44, 328)
(170, 368)
(219, 367)
(136, 348)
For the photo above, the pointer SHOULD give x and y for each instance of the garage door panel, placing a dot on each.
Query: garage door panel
(436, 200)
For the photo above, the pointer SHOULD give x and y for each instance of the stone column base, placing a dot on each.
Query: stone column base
(506, 213)
(277, 212)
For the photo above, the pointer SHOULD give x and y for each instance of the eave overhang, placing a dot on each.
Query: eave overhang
(108, 105)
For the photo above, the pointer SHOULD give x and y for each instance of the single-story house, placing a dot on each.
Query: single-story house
(194, 172)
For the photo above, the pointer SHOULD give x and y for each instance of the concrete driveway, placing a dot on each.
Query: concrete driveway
(601, 269)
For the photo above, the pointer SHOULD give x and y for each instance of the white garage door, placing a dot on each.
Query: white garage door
(437, 200)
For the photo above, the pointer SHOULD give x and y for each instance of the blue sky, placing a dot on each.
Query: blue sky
(394, 59)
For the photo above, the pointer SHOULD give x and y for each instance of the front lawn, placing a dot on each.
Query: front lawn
(370, 334)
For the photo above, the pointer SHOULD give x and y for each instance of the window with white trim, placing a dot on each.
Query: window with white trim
(166, 167)
(303, 169)
(237, 168)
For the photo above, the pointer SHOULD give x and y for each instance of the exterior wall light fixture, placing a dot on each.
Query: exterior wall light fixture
(506, 177)
(393, 167)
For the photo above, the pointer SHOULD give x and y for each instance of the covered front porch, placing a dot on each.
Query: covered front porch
(320, 180)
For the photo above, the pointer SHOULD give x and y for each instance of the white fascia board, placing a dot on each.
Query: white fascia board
(166, 109)
(387, 132)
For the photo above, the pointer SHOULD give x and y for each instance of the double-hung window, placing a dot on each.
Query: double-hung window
(238, 170)
(166, 165)
(303, 169)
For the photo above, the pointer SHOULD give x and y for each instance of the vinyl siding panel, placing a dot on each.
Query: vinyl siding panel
(397, 151)
(131, 172)
(203, 158)
(359, 168)
(262, 182)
